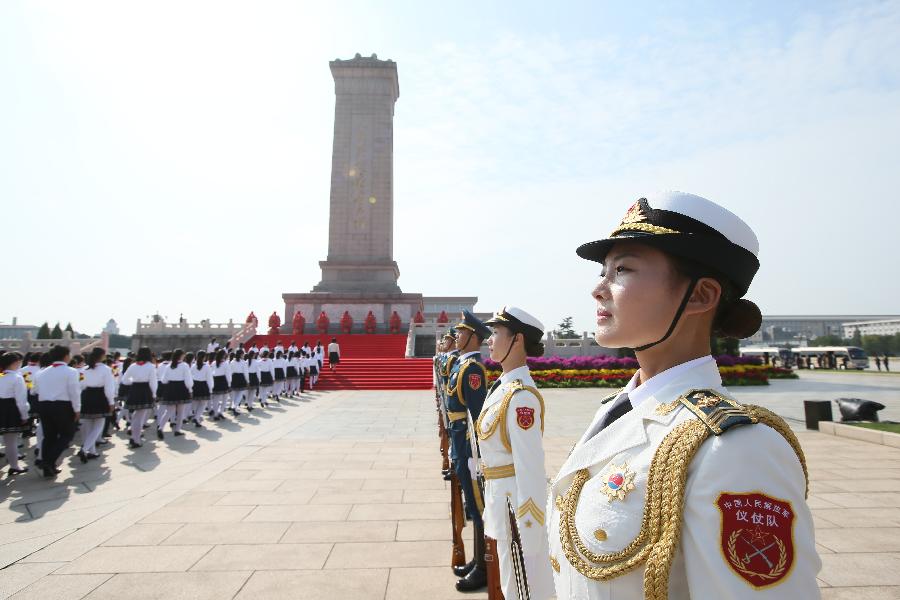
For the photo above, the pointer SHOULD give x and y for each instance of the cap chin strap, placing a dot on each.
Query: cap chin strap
(678, 313)
(511, 342)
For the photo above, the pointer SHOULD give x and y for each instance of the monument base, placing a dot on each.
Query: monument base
(358, 304)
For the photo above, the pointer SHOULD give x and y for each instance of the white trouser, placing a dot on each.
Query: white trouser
(198, 407)
(172, 410)
(10, 443)
(138, 418)
(91, 430)
(264, 392)
(237, 396)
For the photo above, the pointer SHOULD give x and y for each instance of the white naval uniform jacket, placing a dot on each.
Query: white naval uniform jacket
(743, 460)
(515, 452)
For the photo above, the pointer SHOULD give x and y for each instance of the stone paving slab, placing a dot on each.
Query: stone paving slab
(340, 497)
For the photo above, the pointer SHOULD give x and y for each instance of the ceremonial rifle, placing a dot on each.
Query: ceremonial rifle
(516, 556)
(491, 558)
(457, 522)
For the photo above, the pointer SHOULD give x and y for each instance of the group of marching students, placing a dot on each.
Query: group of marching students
(51, 395)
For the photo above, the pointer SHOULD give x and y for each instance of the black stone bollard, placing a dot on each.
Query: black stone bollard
(857, 409)
(816, 410)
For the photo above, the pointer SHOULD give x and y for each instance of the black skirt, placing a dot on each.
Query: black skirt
(265, 378)
(176, 393)
(93, 403)
(123, 392)
(254, 380)
(292, 372)
(10, 419)
(139, 396)
(334, 358)
(161, 390)
(279, 374)
(201, 390)
(238, 382)
(220, 384)
(313, 370)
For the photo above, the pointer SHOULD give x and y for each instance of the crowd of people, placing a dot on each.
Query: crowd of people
(53, 395)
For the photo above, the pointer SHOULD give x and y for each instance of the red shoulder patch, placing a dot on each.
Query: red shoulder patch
(525, 417)
(475, 381)
(757, 536)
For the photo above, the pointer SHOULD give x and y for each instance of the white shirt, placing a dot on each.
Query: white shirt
(212, 346)
(141, 372)
(59, 383)
(101, 376)
(279, 348)
(240, 366)
(222, 370)
(280, 363)
(12, 385)
(181, 372)
(333, 348)
(264, 364)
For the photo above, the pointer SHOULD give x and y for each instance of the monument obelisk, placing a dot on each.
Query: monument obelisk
(359, 273)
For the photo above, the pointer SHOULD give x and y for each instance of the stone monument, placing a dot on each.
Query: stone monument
(359, 274)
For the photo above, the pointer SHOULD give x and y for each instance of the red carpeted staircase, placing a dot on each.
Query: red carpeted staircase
(368, 362)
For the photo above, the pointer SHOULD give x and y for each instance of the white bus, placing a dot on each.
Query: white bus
(831, 357)
(769, 355)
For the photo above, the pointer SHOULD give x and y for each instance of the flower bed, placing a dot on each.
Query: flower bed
(604, 371)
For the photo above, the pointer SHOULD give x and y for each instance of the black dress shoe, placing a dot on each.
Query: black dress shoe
(82, 456)
(92, 456)
(132, 444)
(14, 472)
(463, 570)
(178, 433)
(448, 476)
(47, 472)
(159, 434)
(474, 581)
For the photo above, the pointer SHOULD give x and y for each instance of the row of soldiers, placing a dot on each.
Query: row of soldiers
(494, 458)
(675, 489)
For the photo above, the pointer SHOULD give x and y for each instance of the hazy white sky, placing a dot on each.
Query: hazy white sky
(176, 155)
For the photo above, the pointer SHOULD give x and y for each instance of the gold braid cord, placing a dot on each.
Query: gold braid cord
(502, 409)
(657, 541)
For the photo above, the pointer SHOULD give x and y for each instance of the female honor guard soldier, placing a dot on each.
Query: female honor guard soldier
(676, 490)
(98, 399)
(13, 408)
(509, 432)
(140, 380)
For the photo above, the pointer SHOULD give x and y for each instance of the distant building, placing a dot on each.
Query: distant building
(799, 329)
(112, 327)
(879, 327)
(16, 331)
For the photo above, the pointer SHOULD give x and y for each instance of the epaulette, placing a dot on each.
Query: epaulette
(718, 412)
(612, 396)
(501, 412)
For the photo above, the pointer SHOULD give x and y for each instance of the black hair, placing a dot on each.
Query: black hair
(166, 356)
(58, 353)
(279, 354)
(735, 317)
(334, 339)
(177, 355)
(44, 360)
(201, 359)
(265, 354)
(94, 357)
(189, 358)
(8, 359)
(144, 354)
(127, 363)
(220, 356)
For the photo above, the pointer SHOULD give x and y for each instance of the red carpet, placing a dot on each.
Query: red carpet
(368, 362)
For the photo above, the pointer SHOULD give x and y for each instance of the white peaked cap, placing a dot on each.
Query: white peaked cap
(706, 211)
(523, 316)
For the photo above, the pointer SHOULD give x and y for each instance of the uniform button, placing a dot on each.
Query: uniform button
(600, 535)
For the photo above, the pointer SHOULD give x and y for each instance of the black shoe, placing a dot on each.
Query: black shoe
(448, 476)
(445, 472)
(49, 473)
(159, 434)
(463, 570)
(178, 433)
(82, 456)
(474, 581)
(132, 444)
(14, 472)
(92, 456)
(197, 423)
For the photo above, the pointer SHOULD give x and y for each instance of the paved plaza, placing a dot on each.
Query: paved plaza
(340, 496)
